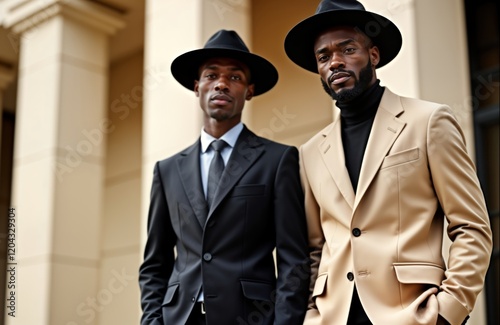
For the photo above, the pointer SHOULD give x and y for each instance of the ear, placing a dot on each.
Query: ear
(250, 92)
(374, 55)
(196, 85)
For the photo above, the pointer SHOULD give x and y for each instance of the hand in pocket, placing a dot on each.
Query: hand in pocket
(425, 307)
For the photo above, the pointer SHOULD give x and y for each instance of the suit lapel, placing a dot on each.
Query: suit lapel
(188, 166)
(332, 151)
(385, 130)
(247, 150)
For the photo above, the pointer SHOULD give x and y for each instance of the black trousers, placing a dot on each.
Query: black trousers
(197, 317)
(357, 315)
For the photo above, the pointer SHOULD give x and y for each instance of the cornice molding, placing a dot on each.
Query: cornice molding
(23, 15)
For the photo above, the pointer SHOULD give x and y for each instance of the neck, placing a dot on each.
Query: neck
(361, 98)
(363, 107)
(218, 128)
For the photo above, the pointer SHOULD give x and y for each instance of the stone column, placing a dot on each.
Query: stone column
(61, 127)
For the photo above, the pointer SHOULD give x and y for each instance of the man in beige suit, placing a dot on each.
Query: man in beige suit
(380, 181)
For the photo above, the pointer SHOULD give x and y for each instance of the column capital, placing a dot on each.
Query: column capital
(23, 15)
(6, 75)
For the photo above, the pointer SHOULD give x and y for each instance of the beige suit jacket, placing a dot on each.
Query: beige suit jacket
(387, 238)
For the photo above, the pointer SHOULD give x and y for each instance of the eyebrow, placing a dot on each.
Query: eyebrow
(215, 66)
(339, 44)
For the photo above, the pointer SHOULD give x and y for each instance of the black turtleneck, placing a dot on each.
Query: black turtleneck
(356, 122)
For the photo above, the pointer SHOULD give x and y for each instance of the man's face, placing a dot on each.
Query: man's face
(223, 87)
(346, 62)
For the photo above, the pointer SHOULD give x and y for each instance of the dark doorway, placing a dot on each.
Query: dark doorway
(483, 42)
(6, 153)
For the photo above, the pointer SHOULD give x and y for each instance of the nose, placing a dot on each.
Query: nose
(221, 84)
(336, 62)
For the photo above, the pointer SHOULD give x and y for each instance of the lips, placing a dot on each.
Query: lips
(221, 99)
(339, 78)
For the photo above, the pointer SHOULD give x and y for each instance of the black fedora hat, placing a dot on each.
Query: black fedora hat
(227, 44)
(384, 34)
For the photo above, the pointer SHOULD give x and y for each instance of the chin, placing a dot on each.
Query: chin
(342, 87)
(218, 117)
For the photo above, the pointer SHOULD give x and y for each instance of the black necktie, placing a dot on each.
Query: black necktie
(215, 170)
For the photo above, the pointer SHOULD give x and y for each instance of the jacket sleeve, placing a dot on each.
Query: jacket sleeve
(291, 242)
(156, 268)
(459, 193)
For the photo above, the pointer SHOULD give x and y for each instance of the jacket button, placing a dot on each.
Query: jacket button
(350, 276)
(207, 257)
(356, 232)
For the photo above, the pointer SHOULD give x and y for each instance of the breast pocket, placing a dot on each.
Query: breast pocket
(400, 158)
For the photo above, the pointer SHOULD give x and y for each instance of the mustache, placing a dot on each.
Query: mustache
(221, 95)
(337, 71)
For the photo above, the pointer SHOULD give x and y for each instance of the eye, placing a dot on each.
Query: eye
(210, 75)
(323, 58)
(350, 50)
(236, 77)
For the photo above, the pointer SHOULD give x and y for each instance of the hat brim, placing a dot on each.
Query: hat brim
(299, 42)
(185, 68)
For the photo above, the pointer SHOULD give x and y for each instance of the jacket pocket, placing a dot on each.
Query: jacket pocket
(400, 158)
(249, 190)
(170, 294)
(414, 278)
(419, 273)
(319, 285)
(256, 290)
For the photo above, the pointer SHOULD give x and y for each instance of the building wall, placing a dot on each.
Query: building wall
(297, 107)
(443, 59)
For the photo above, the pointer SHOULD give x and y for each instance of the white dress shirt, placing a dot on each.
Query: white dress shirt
(207, 153)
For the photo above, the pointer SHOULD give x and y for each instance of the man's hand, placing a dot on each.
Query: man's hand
(426, 307)
(423, 311)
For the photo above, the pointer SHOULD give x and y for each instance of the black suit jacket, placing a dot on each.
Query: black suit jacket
(258, 207)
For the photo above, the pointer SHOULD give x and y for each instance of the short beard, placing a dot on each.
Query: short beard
(361, 84)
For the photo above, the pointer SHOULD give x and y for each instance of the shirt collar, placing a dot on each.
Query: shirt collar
(230, 137)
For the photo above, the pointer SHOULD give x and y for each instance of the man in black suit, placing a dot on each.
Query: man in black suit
(223, 271)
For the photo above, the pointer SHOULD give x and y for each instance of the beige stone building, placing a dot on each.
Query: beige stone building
(88, 105)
